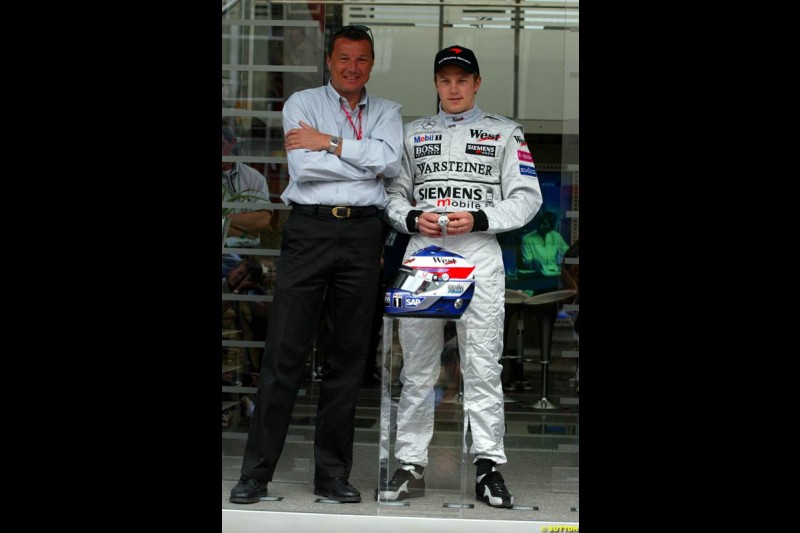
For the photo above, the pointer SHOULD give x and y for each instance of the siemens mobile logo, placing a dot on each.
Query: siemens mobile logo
(481, 149)
(460, 193)
(466, 198)
(526, 170)
(427, 149)
(426, 138)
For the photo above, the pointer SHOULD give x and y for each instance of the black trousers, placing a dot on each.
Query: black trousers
(319, 252)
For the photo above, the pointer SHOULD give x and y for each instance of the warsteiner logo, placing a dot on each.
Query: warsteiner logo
(427, 149)
(429, 167)
(481, 149)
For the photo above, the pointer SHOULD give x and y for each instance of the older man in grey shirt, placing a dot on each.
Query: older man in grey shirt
(340, 141)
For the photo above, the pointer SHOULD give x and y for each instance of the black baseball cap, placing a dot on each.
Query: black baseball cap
(456, 55)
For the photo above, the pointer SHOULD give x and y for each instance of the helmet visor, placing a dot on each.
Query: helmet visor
(411, 280)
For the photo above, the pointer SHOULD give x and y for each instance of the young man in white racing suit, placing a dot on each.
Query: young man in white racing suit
(475, 168)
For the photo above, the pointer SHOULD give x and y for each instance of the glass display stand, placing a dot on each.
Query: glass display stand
(446, 475)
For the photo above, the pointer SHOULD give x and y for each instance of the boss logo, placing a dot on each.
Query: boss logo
(427, 149)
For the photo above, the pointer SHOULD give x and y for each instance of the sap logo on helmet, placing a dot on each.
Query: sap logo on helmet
(414, 302)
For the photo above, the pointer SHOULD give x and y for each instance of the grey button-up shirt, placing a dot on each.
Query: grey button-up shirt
(318, 177)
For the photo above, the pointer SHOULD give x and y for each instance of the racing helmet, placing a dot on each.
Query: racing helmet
(431, 282)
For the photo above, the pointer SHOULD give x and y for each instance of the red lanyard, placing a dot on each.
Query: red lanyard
(350, 118)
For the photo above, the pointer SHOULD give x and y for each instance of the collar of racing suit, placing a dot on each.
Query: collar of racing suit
(460, 118)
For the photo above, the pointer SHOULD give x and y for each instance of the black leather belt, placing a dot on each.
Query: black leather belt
(337, 211)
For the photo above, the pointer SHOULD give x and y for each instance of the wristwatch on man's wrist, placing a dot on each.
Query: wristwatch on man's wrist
(334, 144)
(416, 222)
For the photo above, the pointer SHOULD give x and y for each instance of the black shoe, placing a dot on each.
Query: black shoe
(404, 484)
(492, 489)
(248, 491)
(337, 489)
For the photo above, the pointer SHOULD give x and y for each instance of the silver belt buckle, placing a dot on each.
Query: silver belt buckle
(335, 212)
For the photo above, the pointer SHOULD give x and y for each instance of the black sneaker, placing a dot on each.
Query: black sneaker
(404, 484)
(248, 491)
(491, 489)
